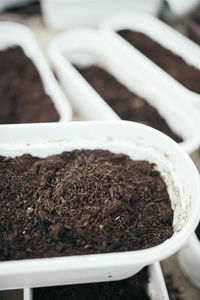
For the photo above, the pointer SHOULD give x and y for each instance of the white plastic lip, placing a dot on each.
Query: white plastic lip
(93, 107)
(24, 138)
(59, 14)
(163, 34)
(14, 34)
(156, 289)
(183, 119)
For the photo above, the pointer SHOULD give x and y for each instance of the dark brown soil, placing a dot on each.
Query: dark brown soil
(22, 95)
(198, 231)
(126, 104)
(80, 202)
(174, 292)
(128, 289)
(173, 64)
(27, 10)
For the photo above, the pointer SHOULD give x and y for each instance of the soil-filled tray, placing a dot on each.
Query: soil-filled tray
(39, 201)
(128, 86)
(126, 104)
(29, 92)
(81, 202)
(22, 95)
(146, 285)
(159, 49)
(174, 65)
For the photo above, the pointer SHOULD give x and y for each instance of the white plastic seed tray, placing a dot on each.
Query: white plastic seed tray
(156, 288)
(60, 14)
(14, 34)
(189, 260)
(138, 141)
(163, 34)
(4, 4)
(85, 47)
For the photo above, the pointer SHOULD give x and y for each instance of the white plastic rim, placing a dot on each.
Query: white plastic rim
(189, 260)
(156, 287)
(163, 34)
(63, 14)
(14, 34)
(139, 142)
(87, 47)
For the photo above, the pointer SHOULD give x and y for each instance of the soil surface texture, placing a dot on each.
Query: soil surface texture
(129, 289)
(173, 64)
(22, 95)
(80, 202)
(125, 103)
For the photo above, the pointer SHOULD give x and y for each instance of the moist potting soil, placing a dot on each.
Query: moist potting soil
(80, 202)
(125, 103)
(186, 74)
(22, 95)
(132, 288)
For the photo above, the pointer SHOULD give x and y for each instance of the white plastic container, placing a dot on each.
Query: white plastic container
(189, 260)
(163, 34)
(4, 4)
(61, 14)
(139, 142)
(87, 46)
(14, 34)
(156, 288)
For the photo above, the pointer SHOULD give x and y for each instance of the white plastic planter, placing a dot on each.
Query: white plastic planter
(13, 34)
(163, 34)
(139, 142)
(156, 288)
(4, 4)
(87, 46)
(189, 260)
(61, 14)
